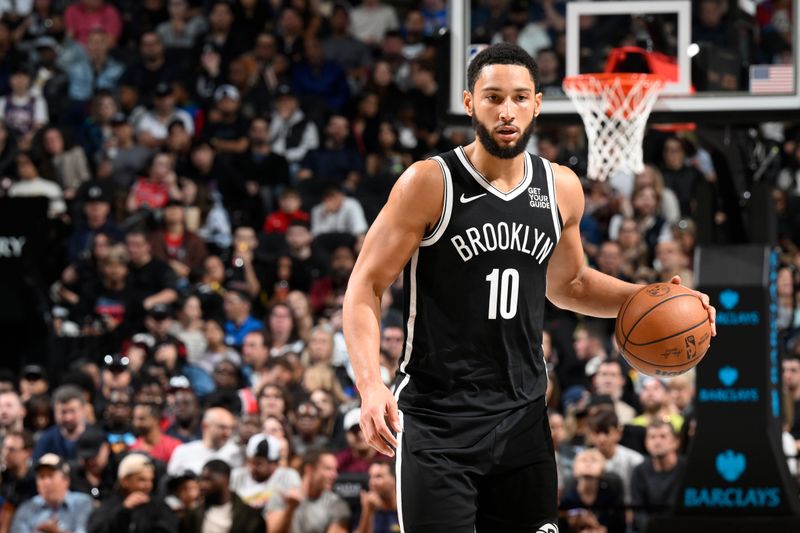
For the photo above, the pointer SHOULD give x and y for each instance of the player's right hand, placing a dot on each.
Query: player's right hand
(377, 406)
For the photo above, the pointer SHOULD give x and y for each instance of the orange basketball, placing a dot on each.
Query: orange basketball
(663, 330)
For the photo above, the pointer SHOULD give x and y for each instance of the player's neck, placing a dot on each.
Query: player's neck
(505, 174)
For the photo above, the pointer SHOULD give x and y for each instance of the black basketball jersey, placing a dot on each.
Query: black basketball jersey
(474, 303)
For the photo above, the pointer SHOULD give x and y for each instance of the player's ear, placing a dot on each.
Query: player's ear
(468, 103)
(538, 104)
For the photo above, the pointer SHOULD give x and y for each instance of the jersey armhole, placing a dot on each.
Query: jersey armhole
(447, 206)
(558, 222)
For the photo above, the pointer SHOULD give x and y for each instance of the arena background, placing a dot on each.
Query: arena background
(259, 105)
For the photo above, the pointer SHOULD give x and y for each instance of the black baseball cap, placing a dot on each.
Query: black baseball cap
(163, 89)
(96, 193)
(160, 311)
(89, 443)
(33, 373)
(118, 118)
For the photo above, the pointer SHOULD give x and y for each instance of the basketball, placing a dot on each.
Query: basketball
(663, 330)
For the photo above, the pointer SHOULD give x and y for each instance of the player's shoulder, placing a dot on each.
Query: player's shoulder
(421, 179)
(569, 191)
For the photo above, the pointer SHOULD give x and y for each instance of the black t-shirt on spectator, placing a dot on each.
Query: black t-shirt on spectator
(15, 490)
(268, 170)
(151, 278)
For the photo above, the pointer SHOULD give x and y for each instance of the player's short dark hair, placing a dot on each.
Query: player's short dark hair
(501, 54)
(603, 421)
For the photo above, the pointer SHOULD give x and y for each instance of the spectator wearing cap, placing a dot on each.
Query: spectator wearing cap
(150, 279)
(338, 213)
(262, 169)
(132, 508)
(359, 455)
(18, 481)
(12, 411)
(152, 125)
(95, 471)
(22, 111)
(379, 504)
(96, 219)
(70, 421)
(182, 249)
(151, 68)
(262, 476)
(150, 438)
(48, 77)
(95, 69)
(55, 507)
(371, 20)
(124, 153)
(291, 134)
(31, 184)
(222, 509)
(218, 427)
(33, 382)
(657, 404)
(314, 507)
(238, 320)
(186, 426)
(226, 130)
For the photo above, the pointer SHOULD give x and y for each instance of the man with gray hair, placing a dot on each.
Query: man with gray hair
(218, 427)
(69, 409)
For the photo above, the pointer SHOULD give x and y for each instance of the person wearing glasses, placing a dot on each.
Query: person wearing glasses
(218, 427)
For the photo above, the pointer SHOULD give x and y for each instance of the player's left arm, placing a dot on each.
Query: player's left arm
(571, 283)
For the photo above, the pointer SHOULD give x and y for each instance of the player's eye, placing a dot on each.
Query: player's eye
(522, 98)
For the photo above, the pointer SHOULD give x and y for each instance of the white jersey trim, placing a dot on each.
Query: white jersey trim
(412, 316)
(521, 187)
(398, 475)
(447, 206)
(551, 184)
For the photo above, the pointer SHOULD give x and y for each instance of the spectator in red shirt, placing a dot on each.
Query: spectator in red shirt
(289, 211)
(155, 190)
(81, 18)
(149, 437)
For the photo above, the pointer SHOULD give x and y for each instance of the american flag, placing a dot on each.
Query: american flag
(771, 78)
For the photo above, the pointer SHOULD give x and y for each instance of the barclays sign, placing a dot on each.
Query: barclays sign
(728, 376)
(730, 466)
(730, 316)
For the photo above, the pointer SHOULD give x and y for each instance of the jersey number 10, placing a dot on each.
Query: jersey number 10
(506, 286)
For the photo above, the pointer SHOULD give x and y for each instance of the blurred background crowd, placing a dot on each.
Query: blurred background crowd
(210, 170)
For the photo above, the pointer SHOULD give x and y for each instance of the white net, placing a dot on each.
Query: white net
(614, 109)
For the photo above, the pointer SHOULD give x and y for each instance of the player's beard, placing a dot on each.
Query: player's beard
(502, 152)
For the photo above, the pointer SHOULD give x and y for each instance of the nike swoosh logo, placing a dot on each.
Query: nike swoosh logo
(465, 200)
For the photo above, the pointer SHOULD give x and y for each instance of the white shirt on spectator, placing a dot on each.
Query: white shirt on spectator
(622, 463)
(370, 24)
(348, 219)
(194, 455)
(158, 128)
(257, 494)
(41, 187)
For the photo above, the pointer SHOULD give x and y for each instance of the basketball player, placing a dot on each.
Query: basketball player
(485, 232)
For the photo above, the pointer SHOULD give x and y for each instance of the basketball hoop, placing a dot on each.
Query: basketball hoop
(614, 107)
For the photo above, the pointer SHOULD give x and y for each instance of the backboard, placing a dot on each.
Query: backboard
(736, 60)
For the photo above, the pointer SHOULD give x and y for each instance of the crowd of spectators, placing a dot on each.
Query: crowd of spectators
(211, 168)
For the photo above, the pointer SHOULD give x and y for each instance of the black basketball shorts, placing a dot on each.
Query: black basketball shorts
(506, 482)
